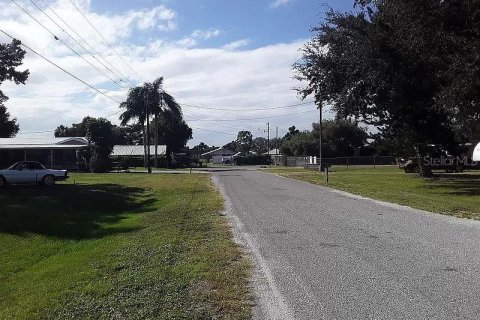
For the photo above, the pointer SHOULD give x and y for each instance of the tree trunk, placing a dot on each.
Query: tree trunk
(424, 166)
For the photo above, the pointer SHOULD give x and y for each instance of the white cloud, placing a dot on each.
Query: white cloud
(205, 34)
(197, 35)
(279, 3)
(236, 44)
(213, 77)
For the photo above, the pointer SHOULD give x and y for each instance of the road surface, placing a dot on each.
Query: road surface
(325, 254)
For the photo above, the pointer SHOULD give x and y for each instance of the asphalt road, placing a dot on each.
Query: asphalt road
(325, 254)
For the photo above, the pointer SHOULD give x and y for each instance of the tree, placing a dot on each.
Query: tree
(101, 137)
(174, 133)
(159, 103)
(397, 64)
(300, 144)
(244, 141)
(232, 146)
(260, 145)
(343, 136)
(8, 127)
(11, 57)
(76, 130)
(135, 111)
(163, 104)
(291, 132)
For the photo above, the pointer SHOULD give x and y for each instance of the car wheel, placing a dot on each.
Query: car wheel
(48, 181)
(3, 183)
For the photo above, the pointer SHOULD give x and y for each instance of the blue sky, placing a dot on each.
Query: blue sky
(228, 63)
(256, 20)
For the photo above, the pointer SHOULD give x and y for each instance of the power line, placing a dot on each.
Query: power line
(259, 118)
(67, 72)
(64, 43)
(75, 40)
(121, 77)
(230, 134)
(245, 110)
(106, 41)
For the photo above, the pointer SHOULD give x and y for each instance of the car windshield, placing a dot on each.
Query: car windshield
(27, 165)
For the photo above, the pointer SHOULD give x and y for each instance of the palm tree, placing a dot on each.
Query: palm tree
(135, 110)
(162, 105)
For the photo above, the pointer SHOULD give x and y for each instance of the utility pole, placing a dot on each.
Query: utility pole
(145, 101)
(320, 167)
(268, 138)
(276, 146)
(156, 131)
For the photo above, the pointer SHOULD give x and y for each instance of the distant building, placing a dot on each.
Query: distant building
(64, 153)
(220, 156)
(52, 152)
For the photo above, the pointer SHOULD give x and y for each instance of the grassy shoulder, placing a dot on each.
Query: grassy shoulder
(451, 194)
(123, 246)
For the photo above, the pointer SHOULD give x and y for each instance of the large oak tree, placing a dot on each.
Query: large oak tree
(11, 57)
(409, 67)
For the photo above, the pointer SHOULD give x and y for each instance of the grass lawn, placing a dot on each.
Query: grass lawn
(446, 193)
(120, 246)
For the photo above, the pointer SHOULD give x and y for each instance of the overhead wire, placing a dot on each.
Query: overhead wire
(249, 109)
(105, 40)
(259, 118)
(64, 43)
(122, 76)
(59, 67)
(75, 40)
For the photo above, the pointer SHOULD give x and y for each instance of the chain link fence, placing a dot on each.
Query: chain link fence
(372, 161)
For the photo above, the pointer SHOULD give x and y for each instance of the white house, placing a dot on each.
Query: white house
(220, 156)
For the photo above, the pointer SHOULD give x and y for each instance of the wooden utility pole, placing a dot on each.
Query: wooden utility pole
(320, 167)
(147, 134)
(268, 138)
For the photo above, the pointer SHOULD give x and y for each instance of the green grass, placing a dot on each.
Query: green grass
(451, 194)
(120, 246)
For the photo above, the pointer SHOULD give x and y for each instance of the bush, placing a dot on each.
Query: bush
(253, 160)
(100, 164)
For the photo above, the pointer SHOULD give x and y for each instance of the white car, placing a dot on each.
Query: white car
(31, 172)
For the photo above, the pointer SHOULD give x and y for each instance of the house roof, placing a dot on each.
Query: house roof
(218, 152)
(43, 143)
(129, 150)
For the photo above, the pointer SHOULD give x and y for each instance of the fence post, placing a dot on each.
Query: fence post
(346, 160)
(374, 162)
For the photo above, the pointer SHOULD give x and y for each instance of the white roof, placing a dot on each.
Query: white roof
(218, 151)
(129, 150)
(42, 143)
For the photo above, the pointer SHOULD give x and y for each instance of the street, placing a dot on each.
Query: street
(324, 254)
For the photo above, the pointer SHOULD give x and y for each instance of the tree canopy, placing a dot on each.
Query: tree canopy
(244, 141)
(11, 57)
(411, 68)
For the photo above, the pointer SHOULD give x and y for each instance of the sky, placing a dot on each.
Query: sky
(228, 63)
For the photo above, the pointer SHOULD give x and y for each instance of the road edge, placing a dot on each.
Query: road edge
(270, 303)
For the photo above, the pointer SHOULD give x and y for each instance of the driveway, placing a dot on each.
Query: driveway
(325, 254)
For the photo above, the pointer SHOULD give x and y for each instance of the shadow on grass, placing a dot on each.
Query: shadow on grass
(456, 184)
(71, 211)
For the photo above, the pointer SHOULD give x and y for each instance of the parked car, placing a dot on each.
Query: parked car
(449, 164)
(31, 172)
